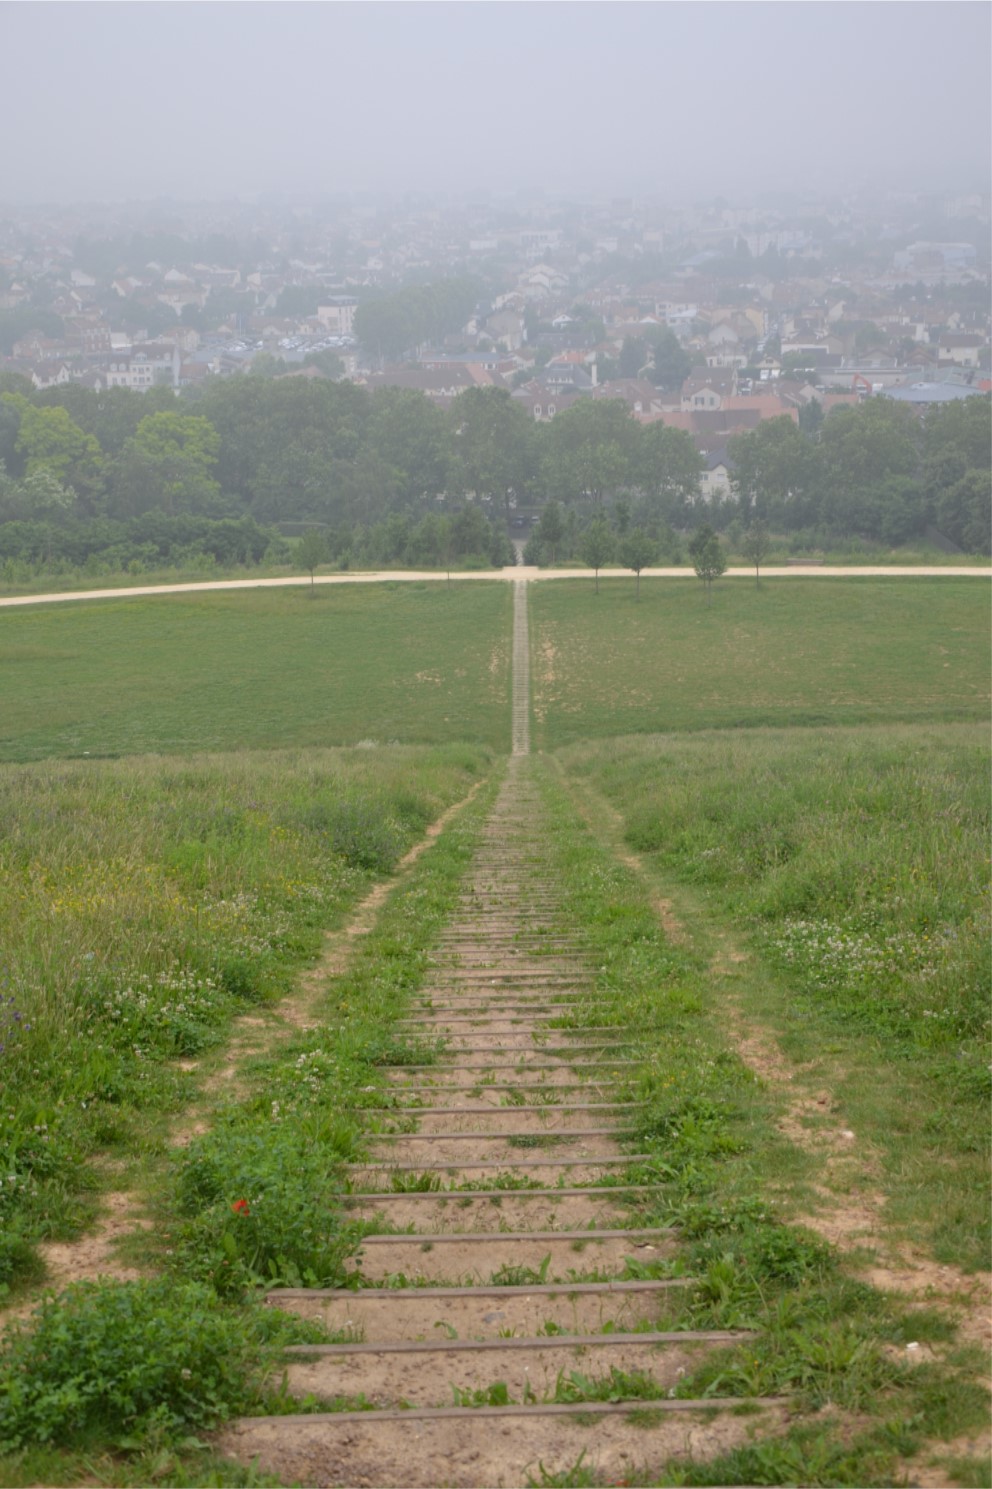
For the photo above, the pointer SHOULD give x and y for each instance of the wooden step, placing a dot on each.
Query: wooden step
(428, 1373)
(492, 1447)
(392, 1314)
(462, 1259)
(430, 1211)
(452, 1173)
(505, 1132)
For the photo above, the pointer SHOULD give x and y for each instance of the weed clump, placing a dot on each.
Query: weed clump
(117, 1361)
(256, 1208)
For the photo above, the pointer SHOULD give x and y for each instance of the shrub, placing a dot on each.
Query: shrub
(120, 1359)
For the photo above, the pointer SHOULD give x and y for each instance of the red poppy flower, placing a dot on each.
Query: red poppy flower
(240, 1207)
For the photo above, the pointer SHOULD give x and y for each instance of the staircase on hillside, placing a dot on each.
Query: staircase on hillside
(506, 1290)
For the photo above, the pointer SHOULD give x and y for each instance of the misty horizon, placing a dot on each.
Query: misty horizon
(232, 101)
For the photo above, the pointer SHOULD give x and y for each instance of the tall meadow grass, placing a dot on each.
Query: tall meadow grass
(859, 856)
(142, 904)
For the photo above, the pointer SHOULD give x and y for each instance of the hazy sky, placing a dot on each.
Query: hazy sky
(194, 100)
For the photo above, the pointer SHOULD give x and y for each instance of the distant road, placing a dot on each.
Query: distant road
(409, 576)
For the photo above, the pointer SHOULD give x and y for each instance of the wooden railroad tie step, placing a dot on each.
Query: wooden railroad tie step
(506, 1133)
(484, 1256)
(578, 1170)
(488, 1446)
(485, 1311)
(469, 1212)
(427, 1373)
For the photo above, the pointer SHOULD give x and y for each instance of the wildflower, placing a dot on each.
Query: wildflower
(240, 1207)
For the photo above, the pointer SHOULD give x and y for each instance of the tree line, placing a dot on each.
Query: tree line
(255, 460)
(875, 470)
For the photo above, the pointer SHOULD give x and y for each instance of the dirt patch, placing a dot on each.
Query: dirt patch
(91, 1257)
(968, 1300)
(932, 1474)
(672, 926)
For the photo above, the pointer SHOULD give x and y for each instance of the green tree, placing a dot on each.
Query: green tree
(266, 364)
(49, 439)
(290, 448)
(861, 450)
(392, 325)
(672, 365)
(411, 434)
(964, 512)
(590, 450)
(327, 362)
(493, 445)
(957, 437)
(633, 355)
(811, 418)
(311, 552)
(178, 453)
(430, 543)
(551, 527)
(756, 544)
(775, 471)
(668, 468)
(386, 327)
(607, 368)
(708, 557)
(868, 337)
(472, 536)
(38, 497)
(22, 320)
(297, 300)
(598, 546)
(638, 550)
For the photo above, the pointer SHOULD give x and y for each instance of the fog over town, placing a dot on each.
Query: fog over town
(638, 248)
(232, 100)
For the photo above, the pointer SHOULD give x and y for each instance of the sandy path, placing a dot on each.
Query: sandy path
(511, 575)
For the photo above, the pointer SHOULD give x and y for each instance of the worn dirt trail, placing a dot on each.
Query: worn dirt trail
(513, 1269)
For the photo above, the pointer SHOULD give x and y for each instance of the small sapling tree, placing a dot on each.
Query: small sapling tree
(311, 552)
(756, 544)
(597, 546)
(708, 557)
(637, 551)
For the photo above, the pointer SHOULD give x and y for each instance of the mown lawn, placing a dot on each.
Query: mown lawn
(803, 651)
(411, 663)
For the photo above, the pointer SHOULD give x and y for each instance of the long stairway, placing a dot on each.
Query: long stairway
(519, 1278)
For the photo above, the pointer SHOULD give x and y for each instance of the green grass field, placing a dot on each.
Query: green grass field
(413, 663)
(854, 863)
(801, 651)
(147, 902)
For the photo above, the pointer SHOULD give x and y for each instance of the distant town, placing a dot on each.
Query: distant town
(709, 320)
(567, 300)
